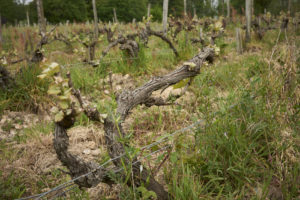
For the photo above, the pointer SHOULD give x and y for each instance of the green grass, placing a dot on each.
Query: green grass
(34, 132)
(27, 91)
(241, 148)
(11, 187)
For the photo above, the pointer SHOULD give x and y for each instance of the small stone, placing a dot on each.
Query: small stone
(46, 189)
(126, 76)
(12, 132)
(118, 87)
(92, 145)
(96, 152)
(35, 120)
(87, 151)
(3, 120)
(106, 92)
(47, 118)
(18, 126)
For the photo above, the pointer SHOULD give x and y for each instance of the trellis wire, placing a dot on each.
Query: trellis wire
(38, 196)
(116, 171)
(63, 192)
(112, 60)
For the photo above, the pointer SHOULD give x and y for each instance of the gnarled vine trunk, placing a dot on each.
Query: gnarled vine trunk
(126, 101)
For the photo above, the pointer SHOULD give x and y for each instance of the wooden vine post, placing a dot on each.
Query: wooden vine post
(165, 16)
(92, 46)
(239, 41)
(41, 17)
(248, 20)
(96, 32)
(185, 18)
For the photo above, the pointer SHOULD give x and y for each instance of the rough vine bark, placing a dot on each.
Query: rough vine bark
(126, 101)
(37, 54)
(150, 32)
(5, 78)
(127, 43)
(131, 46)
(60, 37)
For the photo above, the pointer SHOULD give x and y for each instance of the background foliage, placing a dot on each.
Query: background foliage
(13, 11)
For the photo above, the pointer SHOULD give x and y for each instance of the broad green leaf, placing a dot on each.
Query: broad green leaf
(218, 26)
(191, 64)
(181, 83)
(146, 194)
(63, 97)
(52, 69)
(54, 90)
(63, 104)
(217, 50)
(59, 116)
(54, 109)
(67, 93)
(65, 83)
(58, 79)
(42, 76)
(69, 111)
(104, 116)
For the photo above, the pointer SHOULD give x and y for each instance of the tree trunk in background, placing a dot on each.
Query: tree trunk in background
(165, 15)
(252, 7)
(228, 10)
(95, 20)
(248, 20)
(149, 10)
(0, 31)
(184, 7)
(41, 17)
(27, 16)
(223, 8)
(115, 16)
(290, 6)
